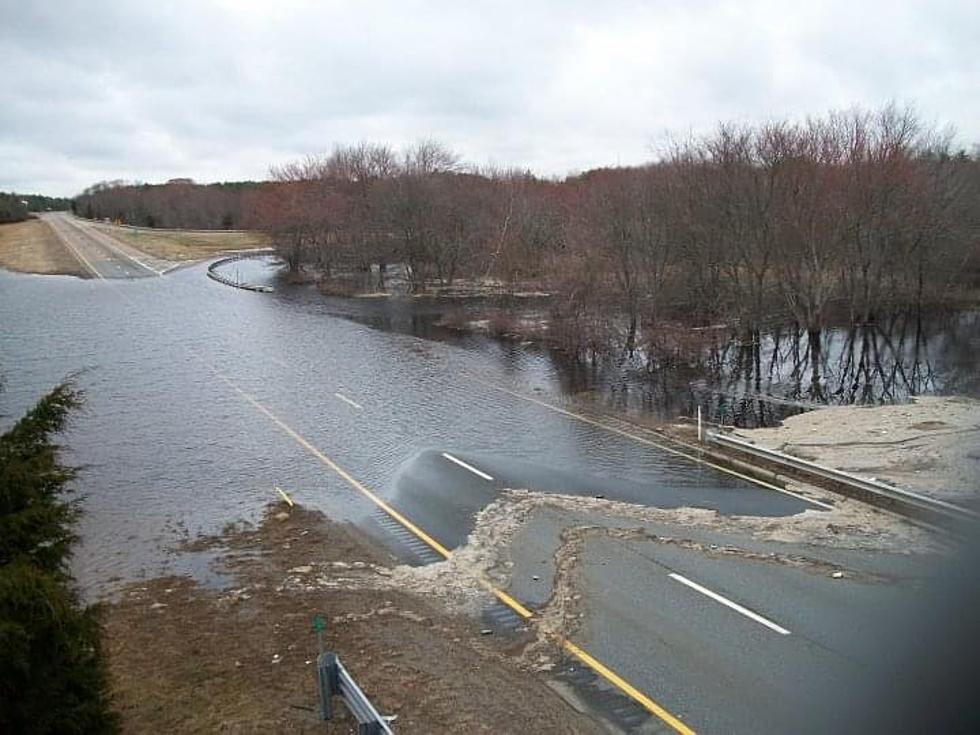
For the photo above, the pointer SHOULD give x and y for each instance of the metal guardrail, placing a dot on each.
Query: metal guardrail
(900, 500)
(334, 679)
(213, 270)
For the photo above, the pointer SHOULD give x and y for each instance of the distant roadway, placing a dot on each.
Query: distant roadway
(101, 255)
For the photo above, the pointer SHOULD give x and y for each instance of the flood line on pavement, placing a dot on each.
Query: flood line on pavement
(75, 252)
(568, 646)
(103, 240)
(579, 653)
(649, 442)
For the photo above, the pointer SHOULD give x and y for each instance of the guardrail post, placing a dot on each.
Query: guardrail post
(326, 670)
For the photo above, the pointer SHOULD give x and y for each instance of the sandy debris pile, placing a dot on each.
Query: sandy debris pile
(931, 446)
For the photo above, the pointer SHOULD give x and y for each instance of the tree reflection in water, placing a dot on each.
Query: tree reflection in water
(758, 379)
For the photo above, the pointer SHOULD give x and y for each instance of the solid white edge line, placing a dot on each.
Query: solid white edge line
(103, 238)
(348, 401)
(81, 258)
(643, 440)
(74, 251)
(728, 603)
(474, 470)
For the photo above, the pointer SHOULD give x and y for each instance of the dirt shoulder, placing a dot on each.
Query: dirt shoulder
(931, 446)
(33, 247)
(177, 246)
(191, 659)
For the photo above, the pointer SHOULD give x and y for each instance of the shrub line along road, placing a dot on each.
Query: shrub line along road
(714, 642)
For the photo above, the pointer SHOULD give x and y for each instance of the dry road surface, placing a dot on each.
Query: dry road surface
(101, 255)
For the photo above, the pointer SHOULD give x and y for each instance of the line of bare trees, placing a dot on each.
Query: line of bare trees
(853, 213)
(861, 211)
(180, 204)
(368, 206)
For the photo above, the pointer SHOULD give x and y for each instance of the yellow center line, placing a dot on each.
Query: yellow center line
(289, 500)
(581, 654)
(93, 232)
(624, 686)
(301, 440)
(649, 442)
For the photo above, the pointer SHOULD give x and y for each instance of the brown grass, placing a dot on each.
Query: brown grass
(189, 659)
(33, 247)
(178, 246)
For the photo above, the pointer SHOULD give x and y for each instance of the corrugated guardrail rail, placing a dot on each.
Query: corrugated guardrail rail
(213, 271)
(931, 511)
(334, 679)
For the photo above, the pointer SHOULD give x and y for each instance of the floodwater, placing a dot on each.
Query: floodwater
(736, 381)
(174, 446)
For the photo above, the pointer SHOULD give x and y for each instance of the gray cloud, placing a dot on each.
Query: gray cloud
(220, 90)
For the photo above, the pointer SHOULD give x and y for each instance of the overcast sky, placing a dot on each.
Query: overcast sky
(219, 90)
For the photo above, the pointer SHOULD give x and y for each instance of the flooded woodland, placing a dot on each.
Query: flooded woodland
(754, 271)
(745, 381)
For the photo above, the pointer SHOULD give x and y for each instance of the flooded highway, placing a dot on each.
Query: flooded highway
(202, 398)
(170, 448)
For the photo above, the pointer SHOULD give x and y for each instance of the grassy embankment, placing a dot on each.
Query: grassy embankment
(190, 245)
(33, 247)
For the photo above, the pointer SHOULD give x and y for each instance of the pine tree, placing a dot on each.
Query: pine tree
(53, 675)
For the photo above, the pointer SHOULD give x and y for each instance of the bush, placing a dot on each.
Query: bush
(12, 209)
(53, 675)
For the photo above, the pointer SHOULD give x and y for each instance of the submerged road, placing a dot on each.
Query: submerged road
(101, 255)
(676, 635)
(198, 409)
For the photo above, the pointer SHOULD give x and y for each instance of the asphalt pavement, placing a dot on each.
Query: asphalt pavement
(201, 407)
(729, 634)
(101, 255)
(722, 632)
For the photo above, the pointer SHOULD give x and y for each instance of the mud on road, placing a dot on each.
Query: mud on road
(239, 656)
(190, 658)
